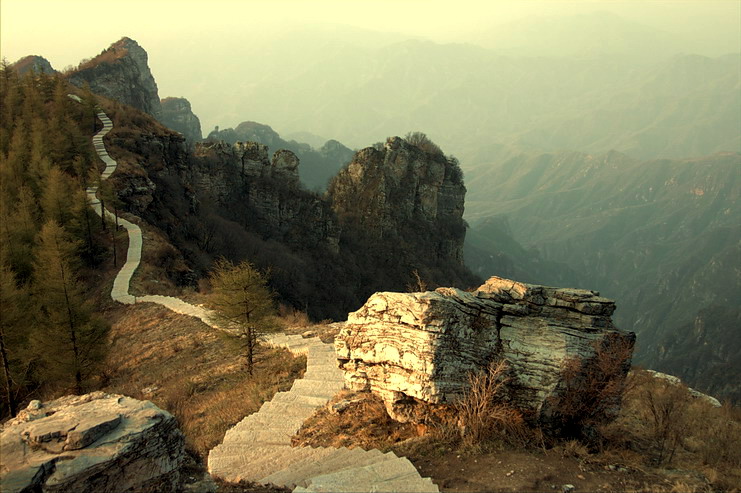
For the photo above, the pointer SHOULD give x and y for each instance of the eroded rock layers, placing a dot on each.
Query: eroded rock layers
(91, 443)
(414, 348)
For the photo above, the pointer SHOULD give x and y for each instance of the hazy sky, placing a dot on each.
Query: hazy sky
(69, 30)
(192, 42)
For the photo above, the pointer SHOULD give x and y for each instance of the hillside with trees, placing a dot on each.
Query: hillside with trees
(51, 242)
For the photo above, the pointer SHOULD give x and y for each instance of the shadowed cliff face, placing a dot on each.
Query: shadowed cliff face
(400, 196)
(178, 115)
(121, 73)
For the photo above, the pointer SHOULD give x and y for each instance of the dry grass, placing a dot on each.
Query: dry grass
(186, 367)
(662, 427)
(364, 423)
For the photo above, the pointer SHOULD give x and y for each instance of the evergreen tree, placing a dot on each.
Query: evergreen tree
(243, 301)
(69, 339)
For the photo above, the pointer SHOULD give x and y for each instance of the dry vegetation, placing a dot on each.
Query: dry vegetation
(363, 423)
(187, 368)
(662, 440)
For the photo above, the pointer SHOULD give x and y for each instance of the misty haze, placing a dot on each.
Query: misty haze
(498, 241)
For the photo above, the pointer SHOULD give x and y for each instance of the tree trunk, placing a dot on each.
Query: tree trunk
(102, 214)
(115, 256)
(12, 406)
(249, 353)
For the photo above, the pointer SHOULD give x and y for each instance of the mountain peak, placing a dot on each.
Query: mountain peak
(121, 72)
(36, 63)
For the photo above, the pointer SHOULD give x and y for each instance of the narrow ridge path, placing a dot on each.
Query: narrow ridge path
(258, 448)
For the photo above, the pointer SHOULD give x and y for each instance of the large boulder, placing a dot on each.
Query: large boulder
(91, 443)
(419, 349)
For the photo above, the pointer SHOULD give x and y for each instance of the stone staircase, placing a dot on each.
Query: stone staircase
(258, 448)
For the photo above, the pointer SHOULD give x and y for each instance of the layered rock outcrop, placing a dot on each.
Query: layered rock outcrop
(121, 72)
(177, 114)
(420, 348)
(91, 443)
(399, 194)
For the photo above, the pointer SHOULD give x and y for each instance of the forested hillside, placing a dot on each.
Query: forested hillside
(50, 240)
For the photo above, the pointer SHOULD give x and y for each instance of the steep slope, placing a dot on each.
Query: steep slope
(406, 199)
(218, 199)
(661, 237)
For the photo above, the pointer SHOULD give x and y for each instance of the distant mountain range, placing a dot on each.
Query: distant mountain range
(601, 83)
(661, 237)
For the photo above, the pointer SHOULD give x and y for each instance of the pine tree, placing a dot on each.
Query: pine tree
(71, 341)
(243, 301)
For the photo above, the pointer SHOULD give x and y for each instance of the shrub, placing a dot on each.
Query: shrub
(423, 143)
(592, 389)
(483, 416)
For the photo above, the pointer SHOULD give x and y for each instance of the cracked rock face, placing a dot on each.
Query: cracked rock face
(91, 443)
(416, 348)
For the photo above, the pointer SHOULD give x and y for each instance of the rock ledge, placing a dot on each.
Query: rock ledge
(96, 442)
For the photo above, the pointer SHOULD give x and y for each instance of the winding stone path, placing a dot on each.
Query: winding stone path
(259, 447)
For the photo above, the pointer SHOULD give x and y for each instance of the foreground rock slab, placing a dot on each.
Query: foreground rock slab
(420, 348)
(96, 442)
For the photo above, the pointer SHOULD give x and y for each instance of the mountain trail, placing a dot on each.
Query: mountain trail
(258, 448)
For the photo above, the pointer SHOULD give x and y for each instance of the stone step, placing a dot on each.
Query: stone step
(225, 460)
(289, 408)
(269, 464)
(314, 400)
(269, 436)
(317, 387)
(301, 474)
(398, 475)
(334, 375)
(269, 418)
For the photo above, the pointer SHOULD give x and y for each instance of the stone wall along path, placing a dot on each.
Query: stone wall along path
(259, 447)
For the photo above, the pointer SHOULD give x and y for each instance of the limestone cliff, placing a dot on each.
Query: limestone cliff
(268, 193)
(178, 115)
(121, 72)
(403, 199)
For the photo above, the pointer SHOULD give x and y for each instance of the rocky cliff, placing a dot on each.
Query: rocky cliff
(91, 443)
(263, 193)
(121, 72)
(177, 114)
(405, 200)
(317, 166)
(417, 349)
